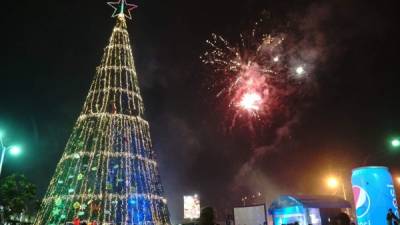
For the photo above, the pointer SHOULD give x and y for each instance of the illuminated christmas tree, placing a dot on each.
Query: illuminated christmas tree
(108, 173)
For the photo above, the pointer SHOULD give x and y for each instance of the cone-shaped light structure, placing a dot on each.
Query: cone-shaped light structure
(108, 173)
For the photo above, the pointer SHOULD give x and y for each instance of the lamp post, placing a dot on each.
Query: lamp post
(334, 183)
(254, 198)
(395, 142)
(13, 150)
(244, 201)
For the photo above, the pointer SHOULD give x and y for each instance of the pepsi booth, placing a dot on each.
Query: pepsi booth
(305, 210)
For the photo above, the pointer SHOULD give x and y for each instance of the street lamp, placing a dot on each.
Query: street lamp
(333, 183)
(395, 142)
(244, 200)
(252, 198)
(13, 150)
(398, 180)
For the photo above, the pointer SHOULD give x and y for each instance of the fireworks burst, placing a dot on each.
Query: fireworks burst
(255, 77)
(251, 101)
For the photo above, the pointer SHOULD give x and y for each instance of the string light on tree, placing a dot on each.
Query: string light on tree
(108, 172)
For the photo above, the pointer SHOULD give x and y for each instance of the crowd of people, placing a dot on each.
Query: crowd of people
(344, 219)
(207, 218)
(77, 221)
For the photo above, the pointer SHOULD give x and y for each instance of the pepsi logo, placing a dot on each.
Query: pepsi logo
(362, 201)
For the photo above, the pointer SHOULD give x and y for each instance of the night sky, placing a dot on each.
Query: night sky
(50, 50)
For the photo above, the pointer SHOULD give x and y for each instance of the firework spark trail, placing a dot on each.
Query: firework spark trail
(254, 78)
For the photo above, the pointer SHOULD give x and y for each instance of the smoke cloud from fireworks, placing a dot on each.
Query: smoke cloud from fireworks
(264, 81)
(254, 78)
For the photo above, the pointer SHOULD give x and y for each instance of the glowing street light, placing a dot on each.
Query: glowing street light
(332, 182)
(244, 200)
(398, 180)
(395, 143)
(13, 150)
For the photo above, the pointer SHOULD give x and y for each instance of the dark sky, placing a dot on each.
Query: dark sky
(50, 50)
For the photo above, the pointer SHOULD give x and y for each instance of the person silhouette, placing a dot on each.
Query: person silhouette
(391, 218)
(76, 221)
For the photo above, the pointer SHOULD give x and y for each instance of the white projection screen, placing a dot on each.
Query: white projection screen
(252, 215)
(191, 207)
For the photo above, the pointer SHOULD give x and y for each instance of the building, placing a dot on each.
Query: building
(316, 210)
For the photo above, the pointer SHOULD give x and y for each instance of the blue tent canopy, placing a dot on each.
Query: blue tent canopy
(309, 201)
